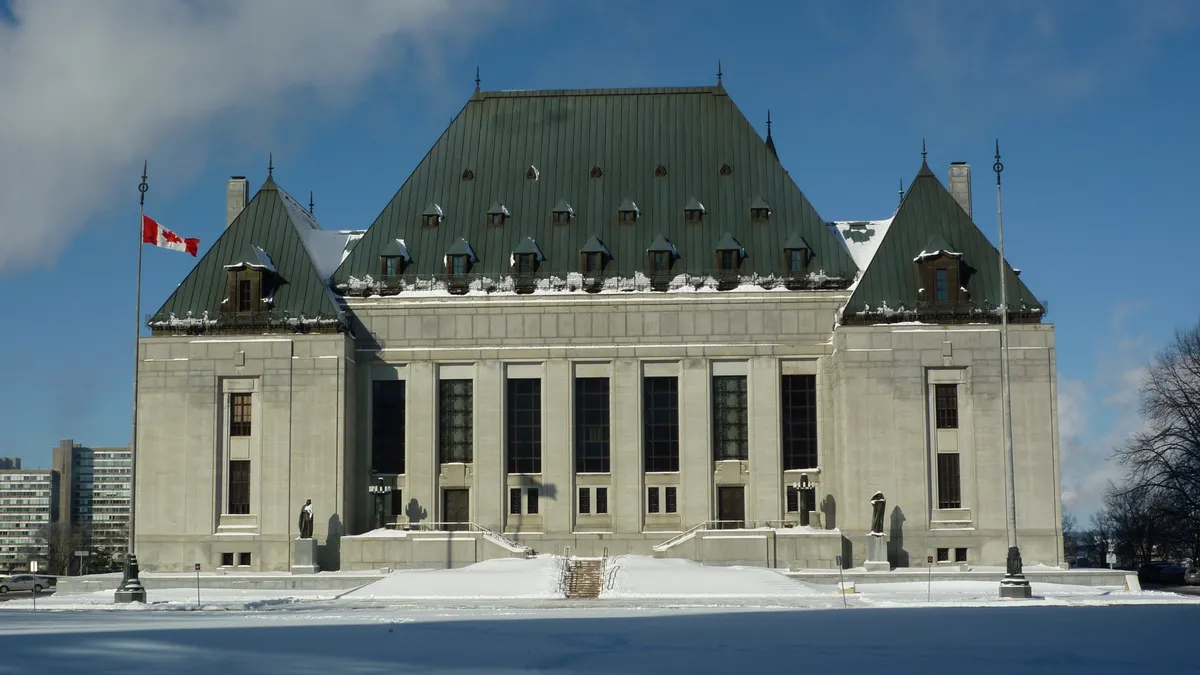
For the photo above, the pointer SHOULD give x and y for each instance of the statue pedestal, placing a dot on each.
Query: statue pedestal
(304, 557)
(877, 553)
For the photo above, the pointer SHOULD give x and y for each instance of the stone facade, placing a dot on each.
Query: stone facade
(312, 419)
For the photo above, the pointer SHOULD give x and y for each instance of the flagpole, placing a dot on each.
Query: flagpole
(131, 589)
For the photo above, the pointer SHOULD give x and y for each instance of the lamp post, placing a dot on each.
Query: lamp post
(1014, 584)
(380, 489)
(803, 489)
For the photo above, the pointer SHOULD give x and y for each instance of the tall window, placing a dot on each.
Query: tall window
(946, 405)
(949, 481)
(239, 486)
(660, 429)
(942, 284)
(797, 260)
(239, 414)
(731, 438)
(455, 423)
(387, 426)
(660, 261)
(591, 425)
(524, 432)
(798, 409)
(244, 295)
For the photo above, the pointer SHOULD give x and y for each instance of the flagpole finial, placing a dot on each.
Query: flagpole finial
(310, 203)
(768, 120)
(143, 186)
(901, 189)
(923, 153)
(998, 166)
(719, 73)
(270, 165)
(476, 78)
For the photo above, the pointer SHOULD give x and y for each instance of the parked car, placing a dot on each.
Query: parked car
(1192, 576)
(1161, 573)
(23, 582)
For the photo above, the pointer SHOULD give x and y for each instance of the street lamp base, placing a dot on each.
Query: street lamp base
(1016, 588)
(131, 589)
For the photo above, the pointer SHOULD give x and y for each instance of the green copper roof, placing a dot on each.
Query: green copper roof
(930, 219)
(273, 230)
(462, 247)
(396, 249)
(795, 242)
(528, 245)
(627, 134)
(661, 244)
(728, 243)
(594, 245)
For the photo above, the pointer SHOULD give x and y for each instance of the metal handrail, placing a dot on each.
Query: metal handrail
(682, 536)
(476, 528)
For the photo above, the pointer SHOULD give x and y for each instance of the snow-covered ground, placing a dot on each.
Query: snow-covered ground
(655, 616)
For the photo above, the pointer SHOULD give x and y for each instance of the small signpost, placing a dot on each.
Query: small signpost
(929, 587)
(197, 585)
(841, 581)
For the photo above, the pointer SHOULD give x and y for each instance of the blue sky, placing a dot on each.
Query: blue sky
(1093, 102)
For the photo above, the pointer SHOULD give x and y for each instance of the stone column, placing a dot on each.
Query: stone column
(420, 447)
(625, 400)
(766, 461)
(695, 443)
(488, 499)
(557, 460)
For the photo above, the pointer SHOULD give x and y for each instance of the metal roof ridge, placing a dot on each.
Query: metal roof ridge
(625, 91)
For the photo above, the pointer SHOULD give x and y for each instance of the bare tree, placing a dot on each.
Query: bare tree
(1164, 459)
(61, 541)
(1070, 537)
(1137, 517)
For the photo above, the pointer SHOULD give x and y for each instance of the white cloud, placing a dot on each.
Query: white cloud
(89, 89)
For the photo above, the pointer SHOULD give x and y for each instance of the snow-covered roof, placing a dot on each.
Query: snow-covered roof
(861, 238)
(256, 258)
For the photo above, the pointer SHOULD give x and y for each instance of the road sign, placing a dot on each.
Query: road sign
(33, 565)
(839, 562)
(928, 560)
(197, 567)
(83, 554)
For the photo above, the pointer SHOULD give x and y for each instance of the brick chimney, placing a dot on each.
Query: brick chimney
(960, 185)
(235, 198)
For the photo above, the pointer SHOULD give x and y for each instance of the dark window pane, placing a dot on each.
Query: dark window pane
(942, 284)
(239, 486)
(397, 503)
(524, 432)
(798, 410)
(227, 559)
(652, 500)
(585, 500)
(244, 295)
(731, 437)
(671, 502)
(514, 501)
(531, 501)
(239, 414)
(946, 405)
(591, 425)
(943, 555)
(244, 559)
(387, 426)
(455, 420)
(793, 500)
(660, 432)
(960, 555)
(601, 500)
(948, 481)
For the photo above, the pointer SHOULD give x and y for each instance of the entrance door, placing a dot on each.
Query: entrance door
(731, 507)
(456, 509)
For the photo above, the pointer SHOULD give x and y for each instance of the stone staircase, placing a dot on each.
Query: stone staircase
(585, 577)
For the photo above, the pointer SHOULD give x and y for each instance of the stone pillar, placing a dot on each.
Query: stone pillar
(421, 458)
(491, 479)
(625, 400)
(557, 461)
(766, 460)
(695, 443)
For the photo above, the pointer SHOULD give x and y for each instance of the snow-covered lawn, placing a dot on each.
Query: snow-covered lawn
(507, 616)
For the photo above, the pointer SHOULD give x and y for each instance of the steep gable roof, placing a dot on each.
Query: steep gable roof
(627, 134)
(273, 230)
(929, 221)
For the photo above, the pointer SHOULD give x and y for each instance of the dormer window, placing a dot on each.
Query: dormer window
(525, 263)
(563, 212)
(939, 269)
(627, 217)
(693, 211)
(393, 259)
(796, 256)
(245, 296)
(593, 258)
(660, 262)
(458, 265)
(432, 215)
(797, 260)
(248, 282)
(390, 266)
(941, 284)
(760, 210)
(729, 260)
(627, 212)
(592, 263)
(497, 213)
(459, 260)
(660, 257)
(495, 219)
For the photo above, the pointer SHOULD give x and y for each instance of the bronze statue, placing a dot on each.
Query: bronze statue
(877, 505)
(306, 520)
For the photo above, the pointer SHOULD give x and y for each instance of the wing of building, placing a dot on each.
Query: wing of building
(602, 319)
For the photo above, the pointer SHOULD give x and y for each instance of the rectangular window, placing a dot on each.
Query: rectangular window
(793, 500)
(397, 503)
(798, 410)
(591, 263)
(514, 501)
(585, 500)
(601, 500)
(948, 481)
(729, 261)
(652, 500)
(946, 405)
(226, 560)
(943, 555)
(455, 421)
(244, 559)
(659, 262)
(239, 486)
(941, 283)
(660, 428)
(391, 266)
(796, 262)
(960, 555)
(731, 435)
(531, 501)
(245, 295)
(591, 425)
(523, 437)
(671, 499)
(239, 414)
(387, 426)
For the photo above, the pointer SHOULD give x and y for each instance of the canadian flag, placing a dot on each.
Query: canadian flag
(153, 233)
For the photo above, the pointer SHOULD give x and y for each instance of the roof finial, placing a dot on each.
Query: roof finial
(270, 164)
(901, 189)
(768, 121)
(998, 166)
(310, 203)
(719, 72)
(923, 153)
(476, 78)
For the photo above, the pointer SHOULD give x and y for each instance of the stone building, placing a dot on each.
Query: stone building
(602, 319)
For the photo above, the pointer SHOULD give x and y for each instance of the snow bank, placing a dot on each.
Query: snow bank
(175, 599)
(503, 578)
(633, 576)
